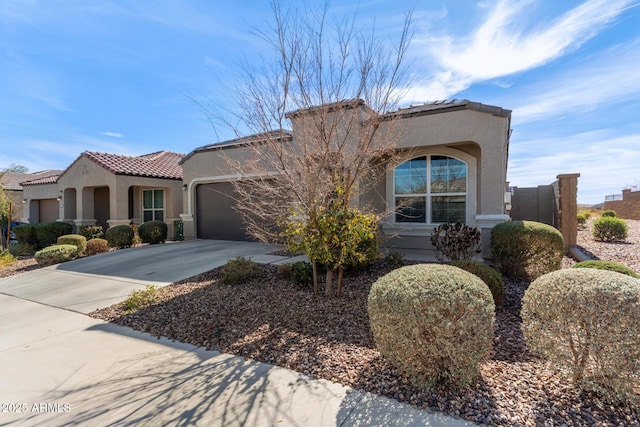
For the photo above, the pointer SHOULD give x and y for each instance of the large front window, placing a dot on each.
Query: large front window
(153, 205)
(430, 190)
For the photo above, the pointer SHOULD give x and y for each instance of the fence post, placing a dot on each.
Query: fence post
(568, 208)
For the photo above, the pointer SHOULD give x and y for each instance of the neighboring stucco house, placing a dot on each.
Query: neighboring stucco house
(464, 144)
(110, 189)
(11, 183)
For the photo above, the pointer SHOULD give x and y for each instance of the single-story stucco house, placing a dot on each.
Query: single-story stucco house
(465, 142)
(109, 189)
(11, 184)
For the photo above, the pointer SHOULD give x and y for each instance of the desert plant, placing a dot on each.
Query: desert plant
(120, 236)
(56, 254)
(136, 236)
(432, 322)
(6, 258)
(526, 249)
(607, 265)
(239, 270)
(26, 233)
(587, 214)
(97, 246)
(48, 232)
(587, 322)
(142, 298)
(394, 260)
(21, 249)
(454, 242)
(153, 232)
(582, 220)
(488, 275)
(609, 214)
(302, 274)
(77, 240)
(610, 229)
(91, 231)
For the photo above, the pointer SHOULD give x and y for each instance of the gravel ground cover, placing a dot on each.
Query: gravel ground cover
(273, 321)
(24, 263)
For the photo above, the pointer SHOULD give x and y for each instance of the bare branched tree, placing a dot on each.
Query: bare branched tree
(331, 85)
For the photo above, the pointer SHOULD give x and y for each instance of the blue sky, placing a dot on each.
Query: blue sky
(118, 76)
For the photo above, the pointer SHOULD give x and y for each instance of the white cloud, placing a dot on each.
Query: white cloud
(113, 134)
(610, 78)
(501, 46)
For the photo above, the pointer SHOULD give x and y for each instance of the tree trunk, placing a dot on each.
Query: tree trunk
(340, 274)
(328, 290)
(315, 278)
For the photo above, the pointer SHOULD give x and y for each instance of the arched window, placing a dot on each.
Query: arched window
(430, 190)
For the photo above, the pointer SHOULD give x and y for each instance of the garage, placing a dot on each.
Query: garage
(216, 218)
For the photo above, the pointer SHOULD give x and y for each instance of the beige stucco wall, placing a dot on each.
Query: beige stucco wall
(32, 194)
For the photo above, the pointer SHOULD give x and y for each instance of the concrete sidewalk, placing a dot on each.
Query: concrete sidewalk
(60, 367)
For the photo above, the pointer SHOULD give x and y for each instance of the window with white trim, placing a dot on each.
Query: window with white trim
(152, 205)
(430, 190)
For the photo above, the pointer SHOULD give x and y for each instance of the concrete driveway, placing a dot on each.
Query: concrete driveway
(86, 284)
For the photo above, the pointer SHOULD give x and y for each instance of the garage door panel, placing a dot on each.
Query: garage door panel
(216, 217)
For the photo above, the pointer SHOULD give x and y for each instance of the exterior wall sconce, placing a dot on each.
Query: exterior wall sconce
(184, 187)
(60, 196)
(24, 200)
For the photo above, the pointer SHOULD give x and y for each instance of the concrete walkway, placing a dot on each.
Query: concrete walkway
(61, 367)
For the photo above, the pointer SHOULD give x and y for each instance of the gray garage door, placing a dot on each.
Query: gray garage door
(216, 218)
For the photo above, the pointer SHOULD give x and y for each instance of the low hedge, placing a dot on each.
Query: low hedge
(56, 254)
(120, 236)
(153, 232)
(48, 232)
(607, 265)
(77, 240)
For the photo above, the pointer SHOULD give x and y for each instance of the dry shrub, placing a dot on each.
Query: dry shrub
(56, 254)
(432, 322)
(97, 246)
(587, 322)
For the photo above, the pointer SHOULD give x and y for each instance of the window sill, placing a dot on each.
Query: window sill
(408, 229)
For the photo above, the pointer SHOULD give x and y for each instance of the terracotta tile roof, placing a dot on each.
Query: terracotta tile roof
(161, 164)
(447, 105)
(15, 181)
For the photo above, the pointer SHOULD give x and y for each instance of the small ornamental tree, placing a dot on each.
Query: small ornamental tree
(337, 237)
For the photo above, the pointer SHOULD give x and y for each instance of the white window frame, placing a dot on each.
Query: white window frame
(390, 226)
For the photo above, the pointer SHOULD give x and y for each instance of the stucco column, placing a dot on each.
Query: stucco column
(188, 226)
(568, 208)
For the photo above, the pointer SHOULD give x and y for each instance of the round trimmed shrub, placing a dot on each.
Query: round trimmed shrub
(586, 321)
(433, 322)
(488, 275)
(153, 232)
(120, 236)
(526, 249)
(607, 265)
(239, 270)
(582, 219)
(76, 240)
(56, 254)
(609, 229)
(97, 246)
(609, 214)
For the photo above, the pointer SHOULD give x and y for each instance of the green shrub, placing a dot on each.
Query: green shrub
(56, 254)
(609, 229)
(239, 270)
(454, 242)
(609, 214)
(77, 240)
(582, 220)
(6, 258)
(284, 270)
(488, 275)
(153, 232)
(48, 232)
(526, 249)
(302, 274)
(97, 246)
(587, 322)
(120, 236)
(21, 249)
(91, 231)
(26, 233)
(142, 299)
(432, 322)
(394, 260)
(607, 265)
(587, 214)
